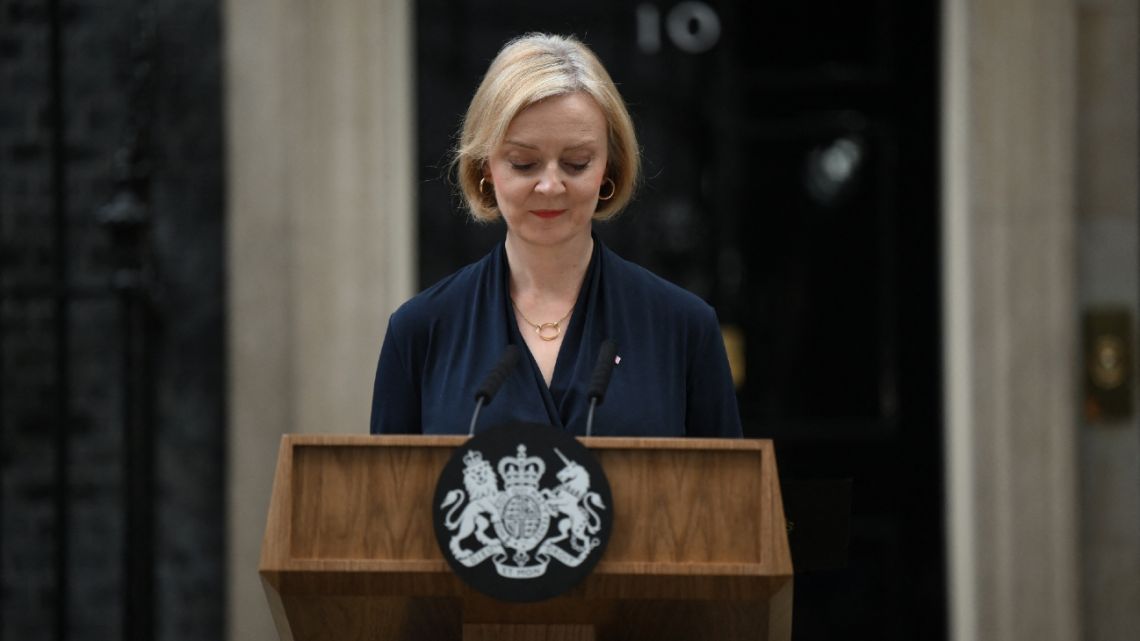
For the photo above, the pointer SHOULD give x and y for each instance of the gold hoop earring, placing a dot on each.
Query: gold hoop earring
(482, 181)
(613, 189)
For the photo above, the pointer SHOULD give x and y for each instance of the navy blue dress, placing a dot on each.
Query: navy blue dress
(672, 379)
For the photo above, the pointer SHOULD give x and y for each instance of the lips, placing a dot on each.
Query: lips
(548, 213)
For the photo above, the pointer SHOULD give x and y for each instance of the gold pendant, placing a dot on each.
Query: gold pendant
(541, 330)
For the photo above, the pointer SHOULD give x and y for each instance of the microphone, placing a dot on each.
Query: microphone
(600, 380)
(494, 381)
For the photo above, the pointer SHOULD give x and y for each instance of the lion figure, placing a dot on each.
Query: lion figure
(482, 490)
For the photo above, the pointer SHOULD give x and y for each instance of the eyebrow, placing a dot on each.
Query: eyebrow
(524, 145)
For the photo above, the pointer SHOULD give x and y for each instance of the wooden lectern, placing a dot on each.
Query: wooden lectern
(698, 550)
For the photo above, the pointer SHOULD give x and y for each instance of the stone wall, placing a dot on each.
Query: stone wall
(1010, 330)
(320, 235)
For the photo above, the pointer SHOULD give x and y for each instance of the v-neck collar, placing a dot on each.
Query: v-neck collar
(555, 396)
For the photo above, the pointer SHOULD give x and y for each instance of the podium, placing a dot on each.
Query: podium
(698, 550)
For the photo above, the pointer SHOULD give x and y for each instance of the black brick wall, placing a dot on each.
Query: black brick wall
(140, 77)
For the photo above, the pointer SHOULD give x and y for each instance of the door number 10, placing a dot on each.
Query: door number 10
(692, 27)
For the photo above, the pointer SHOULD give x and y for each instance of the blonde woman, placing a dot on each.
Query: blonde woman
(548, 147)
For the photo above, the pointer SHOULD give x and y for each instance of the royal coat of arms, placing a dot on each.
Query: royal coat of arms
(521, 526)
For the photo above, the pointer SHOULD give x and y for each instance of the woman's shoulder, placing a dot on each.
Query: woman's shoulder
(449, 295)
(647, 288)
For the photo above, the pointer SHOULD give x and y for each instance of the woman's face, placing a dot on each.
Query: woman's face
(549, 169)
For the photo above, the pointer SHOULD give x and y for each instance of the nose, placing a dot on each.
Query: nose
(550, 181)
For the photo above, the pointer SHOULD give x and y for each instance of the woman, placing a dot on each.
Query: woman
(548, 146)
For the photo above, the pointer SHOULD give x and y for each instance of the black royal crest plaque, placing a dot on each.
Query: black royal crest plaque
(522, 512)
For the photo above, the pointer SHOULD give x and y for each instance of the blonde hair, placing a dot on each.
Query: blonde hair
(528, 69)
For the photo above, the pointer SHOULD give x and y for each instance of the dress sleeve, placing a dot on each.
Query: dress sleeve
(396, 391)
(711, 409)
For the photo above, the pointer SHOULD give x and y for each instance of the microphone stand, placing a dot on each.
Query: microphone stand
(600, 380)
(493, 381)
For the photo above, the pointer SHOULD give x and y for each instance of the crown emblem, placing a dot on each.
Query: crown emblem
(521, 470)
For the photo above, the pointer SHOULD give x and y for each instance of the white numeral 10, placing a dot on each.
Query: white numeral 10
(692, 27)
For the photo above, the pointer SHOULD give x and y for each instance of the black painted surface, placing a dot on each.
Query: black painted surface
(791, 181)
(111, 320)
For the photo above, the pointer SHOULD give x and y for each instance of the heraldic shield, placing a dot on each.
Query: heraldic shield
(522, 512)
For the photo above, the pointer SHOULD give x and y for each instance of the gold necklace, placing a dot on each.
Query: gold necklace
(545, 331)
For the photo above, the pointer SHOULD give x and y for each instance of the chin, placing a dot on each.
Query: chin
(549, 235)
(549, 231)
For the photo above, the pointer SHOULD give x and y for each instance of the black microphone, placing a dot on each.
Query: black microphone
(600, 380)
(494, 381)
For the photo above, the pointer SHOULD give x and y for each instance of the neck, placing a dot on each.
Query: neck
(548, 272)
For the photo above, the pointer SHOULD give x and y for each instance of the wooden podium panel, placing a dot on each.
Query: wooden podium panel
(698, 549)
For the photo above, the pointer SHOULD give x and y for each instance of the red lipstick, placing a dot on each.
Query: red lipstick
(547, 213)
